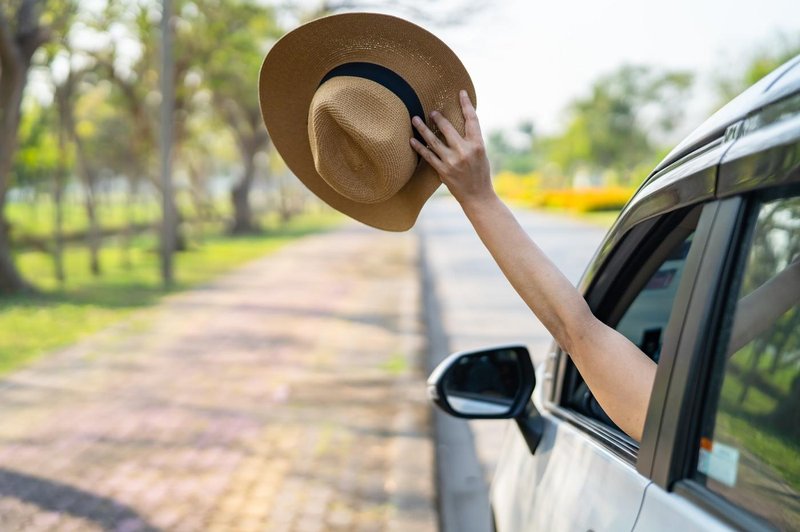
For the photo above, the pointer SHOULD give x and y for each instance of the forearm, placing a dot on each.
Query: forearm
(603, 356)
(546, 291)
(618, 373)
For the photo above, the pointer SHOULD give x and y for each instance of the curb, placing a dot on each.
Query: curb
(410, 483)
(462, 492)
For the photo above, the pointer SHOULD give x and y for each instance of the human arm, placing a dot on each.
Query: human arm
(619, 375)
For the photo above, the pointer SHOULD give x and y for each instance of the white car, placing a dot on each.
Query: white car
(702, 272)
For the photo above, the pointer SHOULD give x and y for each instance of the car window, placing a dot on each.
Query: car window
(640, 302)
(749, 452)
(646, 319)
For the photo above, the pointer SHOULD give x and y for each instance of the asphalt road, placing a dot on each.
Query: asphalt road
(469, 304)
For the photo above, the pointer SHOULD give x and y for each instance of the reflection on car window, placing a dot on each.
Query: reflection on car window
(647, 317)
(750, 450)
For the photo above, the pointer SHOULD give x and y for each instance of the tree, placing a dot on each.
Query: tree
(137, 79)
(23, 31)
(449, 14)
(65, 97)
(42, 155)
(760, 63)
(238, 34)
(618, 126)
(516, 156)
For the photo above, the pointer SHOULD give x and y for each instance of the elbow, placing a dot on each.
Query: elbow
(579, 331)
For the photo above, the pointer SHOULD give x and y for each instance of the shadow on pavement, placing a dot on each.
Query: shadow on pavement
(55, 496)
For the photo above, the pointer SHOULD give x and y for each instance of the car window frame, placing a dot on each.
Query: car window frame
(603, 295)
(758, 162)
(693, 378)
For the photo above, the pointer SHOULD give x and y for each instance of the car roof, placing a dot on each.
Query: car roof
(778, 84)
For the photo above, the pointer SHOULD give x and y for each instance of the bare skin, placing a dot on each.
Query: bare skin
(619, 374)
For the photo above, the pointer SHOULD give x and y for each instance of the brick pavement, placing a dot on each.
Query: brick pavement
(285, 396)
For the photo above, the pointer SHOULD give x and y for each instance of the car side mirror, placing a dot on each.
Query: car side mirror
(494, 383)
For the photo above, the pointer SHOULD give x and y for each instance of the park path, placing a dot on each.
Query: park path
(284, 396)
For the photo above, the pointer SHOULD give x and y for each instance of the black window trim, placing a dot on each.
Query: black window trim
(681, 385)
(701, 376)
(618, 443)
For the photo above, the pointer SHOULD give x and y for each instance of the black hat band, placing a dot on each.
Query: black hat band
(389, 79)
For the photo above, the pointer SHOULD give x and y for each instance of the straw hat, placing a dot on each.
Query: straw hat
(337, 96)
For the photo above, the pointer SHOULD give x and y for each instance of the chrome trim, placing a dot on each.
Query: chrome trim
(614, 441)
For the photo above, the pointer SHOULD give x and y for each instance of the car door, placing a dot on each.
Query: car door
(583, 475)
(728, 452)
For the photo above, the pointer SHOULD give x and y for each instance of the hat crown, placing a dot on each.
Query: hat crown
(359, 135)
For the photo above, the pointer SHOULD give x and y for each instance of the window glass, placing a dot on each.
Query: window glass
(647, 317)
(750, 449)
(643, 301)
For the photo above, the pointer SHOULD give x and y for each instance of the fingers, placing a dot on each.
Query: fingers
(471, 125)
(428, 156)
(433, 141)
(450, 134)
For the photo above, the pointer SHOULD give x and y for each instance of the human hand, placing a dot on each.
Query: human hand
(461, 162)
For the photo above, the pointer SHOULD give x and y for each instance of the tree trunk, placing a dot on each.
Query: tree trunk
(10, 280)
(130, 222)
(58, 203)
(94, 236)
(11, 87)
(240, 196)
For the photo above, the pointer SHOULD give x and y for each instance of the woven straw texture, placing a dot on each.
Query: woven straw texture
(359, 139)
(348, 141)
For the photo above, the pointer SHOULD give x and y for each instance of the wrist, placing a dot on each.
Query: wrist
(478, 202)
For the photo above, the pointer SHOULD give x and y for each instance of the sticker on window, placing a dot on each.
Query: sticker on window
(718, 461)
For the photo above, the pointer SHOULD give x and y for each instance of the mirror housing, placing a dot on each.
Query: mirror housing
(493, 383)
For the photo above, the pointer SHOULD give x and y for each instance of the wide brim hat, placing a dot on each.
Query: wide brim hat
(337, 96)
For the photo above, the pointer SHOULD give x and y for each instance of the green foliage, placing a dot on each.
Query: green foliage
(519, 157)
(619, 124)
(37, 157)
(760, 63)
(87, 304)
(618, 129)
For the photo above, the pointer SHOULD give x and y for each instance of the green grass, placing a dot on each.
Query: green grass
(37, 219)
(396, 365)
(32, 325)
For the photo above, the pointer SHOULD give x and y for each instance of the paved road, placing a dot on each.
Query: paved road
(474, 306)
(285, 396)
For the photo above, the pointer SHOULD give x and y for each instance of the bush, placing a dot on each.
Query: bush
(526, 190)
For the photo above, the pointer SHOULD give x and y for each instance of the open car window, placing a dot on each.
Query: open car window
(639, 303)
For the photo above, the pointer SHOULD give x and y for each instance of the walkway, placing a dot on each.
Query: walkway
(285, 396)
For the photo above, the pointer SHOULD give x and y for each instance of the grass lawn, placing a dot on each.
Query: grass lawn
(32, 325)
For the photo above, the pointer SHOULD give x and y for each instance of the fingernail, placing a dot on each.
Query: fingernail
(463, 93)
(416, 120)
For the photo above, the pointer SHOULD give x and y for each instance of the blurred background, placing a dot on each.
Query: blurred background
(578, 102)
(288, 393)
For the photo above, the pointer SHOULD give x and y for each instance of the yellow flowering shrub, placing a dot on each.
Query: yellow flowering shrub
(526, 190)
